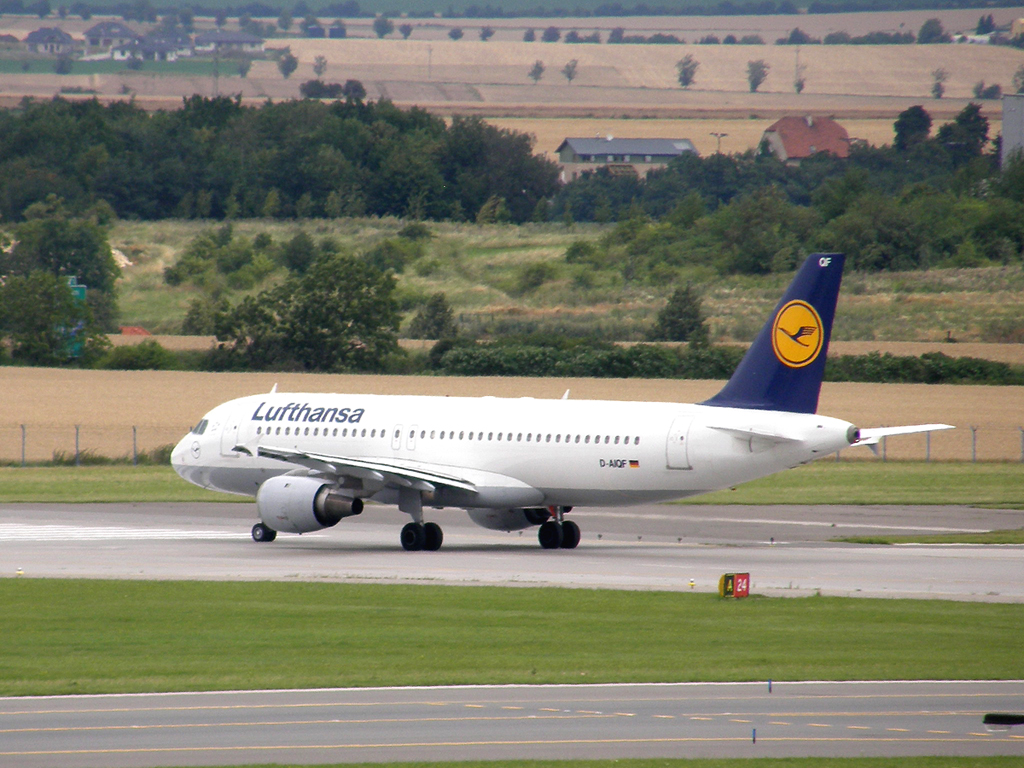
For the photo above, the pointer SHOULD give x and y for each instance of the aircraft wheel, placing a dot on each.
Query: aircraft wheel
(550, 535)
(262, 533)
(432, 537)
(570, 535)
(413, 537)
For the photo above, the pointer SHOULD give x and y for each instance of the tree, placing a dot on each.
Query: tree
(455, 33)
(551, 35)
(932, 32)
(986, 24)
(340, 315)
(939, 76)
(220, 18)
(320, 66)
(757, 73)
(383, 26)
(529, 35)
(353, 91)
(536, 71)
(435, 320)
(681, 319)
(967, 135)
(569, 70)
(64, 65)
(912, 127)
(486, 33)
(405, 30)
(244, 65)
(687, 69)
(287, 64)
(1018, 80)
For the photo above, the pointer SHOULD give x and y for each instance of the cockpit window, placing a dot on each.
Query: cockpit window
(200, 427)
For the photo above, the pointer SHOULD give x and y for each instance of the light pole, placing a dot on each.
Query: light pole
(719, 136)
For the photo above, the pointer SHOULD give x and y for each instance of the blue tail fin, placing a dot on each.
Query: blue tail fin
(783, 369)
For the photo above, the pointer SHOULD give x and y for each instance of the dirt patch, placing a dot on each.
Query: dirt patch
(163, 405)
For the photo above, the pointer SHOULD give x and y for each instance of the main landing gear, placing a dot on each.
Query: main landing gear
(426, 536)
(418, 535)
(558, 533)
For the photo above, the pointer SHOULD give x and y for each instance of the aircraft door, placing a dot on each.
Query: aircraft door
(229, 437)
(677, 447)
(411, 442)
(396, 438)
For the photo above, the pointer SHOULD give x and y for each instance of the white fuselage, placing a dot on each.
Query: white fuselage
(515, 452)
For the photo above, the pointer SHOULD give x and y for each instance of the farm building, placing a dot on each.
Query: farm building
(222, 41)
(634, 156)
(50, 40)
(793, 139)
(109, 35)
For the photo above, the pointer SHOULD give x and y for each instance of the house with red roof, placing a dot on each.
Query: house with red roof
(793, 139)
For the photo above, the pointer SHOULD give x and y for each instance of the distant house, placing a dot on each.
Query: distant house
(632, 156)
(337, 30)
(173, 44)
(314, 30)
(225, 42)
(109, 35)
(50, 40)
(793, 139)
(147, 50)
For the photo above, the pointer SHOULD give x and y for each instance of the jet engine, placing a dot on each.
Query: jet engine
(295, 504)
(508, 519)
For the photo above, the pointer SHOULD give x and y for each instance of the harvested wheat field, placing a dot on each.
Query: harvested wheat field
(162, 406)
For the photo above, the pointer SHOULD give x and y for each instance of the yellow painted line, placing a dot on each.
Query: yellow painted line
(818, 725)
(473, 706)
(778, 722)
(737, 720)
(624, 714)
(702, 718)
(865, 728)
(665, 717)
(448, 744)
(511, 707)
(587, 712)
(263, 723)
(549, 709)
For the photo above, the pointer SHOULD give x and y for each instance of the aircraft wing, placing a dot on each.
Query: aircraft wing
(872, 436)
(396, 474)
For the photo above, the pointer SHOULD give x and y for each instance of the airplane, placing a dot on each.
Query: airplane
(313, 459)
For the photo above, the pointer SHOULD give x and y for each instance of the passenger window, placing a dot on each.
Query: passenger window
(259, 430)
(528, 437)
(490, 435)
(307, 430)
(287, 430)
(383, 433)
(364, 433)
(462, 435)
(616, 439)
(278, 431)
(335, 432)
(442, 435)
(480, 436)
(558, 438)
(316, 432)
(373, 433)
(548, 439)
(510, 437)
(431, 434)
(423, 434)
(587, 440)
(636, 440)
(577, 438)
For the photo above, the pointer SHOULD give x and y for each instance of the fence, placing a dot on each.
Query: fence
(33, 443)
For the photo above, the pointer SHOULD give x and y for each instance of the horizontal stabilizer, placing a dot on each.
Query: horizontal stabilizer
(872, 436)
(762, 433)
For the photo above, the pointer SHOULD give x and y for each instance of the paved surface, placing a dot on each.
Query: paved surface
(466, 723)
(785, 549)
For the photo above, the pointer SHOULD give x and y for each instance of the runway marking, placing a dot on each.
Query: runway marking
(521, 743)
(866, 728)
(25, 532)
(690, 518)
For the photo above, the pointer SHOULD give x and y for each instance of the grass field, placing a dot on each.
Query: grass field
(113, 636)
(992, 484)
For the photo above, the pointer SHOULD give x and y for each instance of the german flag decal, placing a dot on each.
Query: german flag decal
(634, 464)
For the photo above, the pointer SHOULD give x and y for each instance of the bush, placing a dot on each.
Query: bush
(146, 356)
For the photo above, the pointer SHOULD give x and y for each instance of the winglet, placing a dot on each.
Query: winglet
(273, 389)
(784, 367)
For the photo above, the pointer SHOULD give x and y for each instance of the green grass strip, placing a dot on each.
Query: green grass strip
(765, 762)
(995, 484)
(105, 483)
(1015, 536)
(86, 636)
(823, 482)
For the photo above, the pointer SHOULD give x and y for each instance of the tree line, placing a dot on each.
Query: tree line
(927, 200)
(215, 158)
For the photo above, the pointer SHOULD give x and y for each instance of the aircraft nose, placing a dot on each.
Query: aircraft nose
(182, 453)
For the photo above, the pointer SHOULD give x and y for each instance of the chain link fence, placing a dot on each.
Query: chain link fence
(35, 443)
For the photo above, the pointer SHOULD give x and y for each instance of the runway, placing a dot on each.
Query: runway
(509, 722)
(785, 549)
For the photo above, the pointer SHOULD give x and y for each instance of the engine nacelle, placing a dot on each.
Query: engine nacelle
(295, 504)
(508, 519)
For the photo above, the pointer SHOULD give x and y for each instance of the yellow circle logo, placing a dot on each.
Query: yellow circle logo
(797, 334)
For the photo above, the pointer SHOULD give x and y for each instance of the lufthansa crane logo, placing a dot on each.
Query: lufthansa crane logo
(797, 334)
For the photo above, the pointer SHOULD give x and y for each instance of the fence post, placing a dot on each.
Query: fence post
(78, 461)
(974, 443)
(135, 446)
(23, 444)
(927, 446)
(1021, 444)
